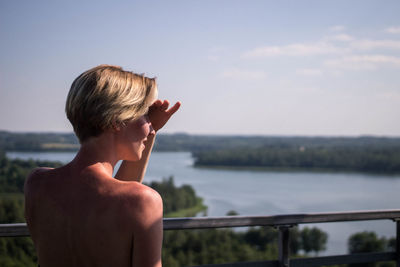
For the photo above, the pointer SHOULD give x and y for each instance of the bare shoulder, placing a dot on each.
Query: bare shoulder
(38, 172)
(144, 203)
(36, 175)
(32, 190)
(143, 195)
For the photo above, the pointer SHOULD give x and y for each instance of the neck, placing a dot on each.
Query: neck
(97, 152)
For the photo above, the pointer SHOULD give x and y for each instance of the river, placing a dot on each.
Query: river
(270, 193)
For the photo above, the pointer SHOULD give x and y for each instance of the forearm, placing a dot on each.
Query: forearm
(135, 170)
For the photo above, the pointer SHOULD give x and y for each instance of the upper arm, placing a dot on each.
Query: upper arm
(148, 230)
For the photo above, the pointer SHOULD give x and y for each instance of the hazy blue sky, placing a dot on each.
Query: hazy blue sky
(238, 67)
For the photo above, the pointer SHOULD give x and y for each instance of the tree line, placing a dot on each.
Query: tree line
(10, 141)
(13, 141)
(368, 158)
(198, 247)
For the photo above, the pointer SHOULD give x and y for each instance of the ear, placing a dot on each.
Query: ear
(116, 126)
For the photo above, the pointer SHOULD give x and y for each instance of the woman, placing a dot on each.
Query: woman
(79, 214)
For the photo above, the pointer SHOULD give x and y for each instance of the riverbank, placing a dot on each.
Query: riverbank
(189, 212)
(292, 170)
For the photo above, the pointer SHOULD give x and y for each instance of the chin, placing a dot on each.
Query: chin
(132, 157)
(134, 154)
(138, 156)
(135, 157)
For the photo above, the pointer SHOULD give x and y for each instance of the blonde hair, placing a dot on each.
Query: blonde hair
(106, 96)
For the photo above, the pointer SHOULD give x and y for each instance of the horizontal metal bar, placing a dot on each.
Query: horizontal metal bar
(20, 229)
(316, 261)
(244, 264)
(343, 259)
(276, 220)
(14, 229)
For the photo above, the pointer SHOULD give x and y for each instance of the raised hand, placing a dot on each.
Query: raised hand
(159, 113)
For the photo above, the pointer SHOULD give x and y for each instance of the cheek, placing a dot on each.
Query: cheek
(145, 129)
(138, 130)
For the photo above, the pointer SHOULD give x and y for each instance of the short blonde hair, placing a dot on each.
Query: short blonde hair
(106, 96)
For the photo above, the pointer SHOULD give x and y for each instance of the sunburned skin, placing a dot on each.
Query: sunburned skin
(79, 215)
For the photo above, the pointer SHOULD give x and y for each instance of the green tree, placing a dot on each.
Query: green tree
(365, 242)
(313, 239)
(295, 240)
(232, 213)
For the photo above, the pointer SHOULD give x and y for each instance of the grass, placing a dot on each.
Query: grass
(189, 212)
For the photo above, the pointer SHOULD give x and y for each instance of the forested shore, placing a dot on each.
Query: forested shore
(366, 154)
(367, 159)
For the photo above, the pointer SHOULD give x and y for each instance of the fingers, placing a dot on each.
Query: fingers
(156, 103)
(174, 108)
(159, 102)
(165, 105)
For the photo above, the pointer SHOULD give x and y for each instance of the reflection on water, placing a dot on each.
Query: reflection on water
(269, 193)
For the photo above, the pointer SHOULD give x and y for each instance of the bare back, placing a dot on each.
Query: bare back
(87, 219)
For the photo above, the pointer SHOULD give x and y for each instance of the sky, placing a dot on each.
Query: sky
(326, 68)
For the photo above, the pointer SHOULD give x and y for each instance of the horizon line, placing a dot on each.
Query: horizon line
(229, 134)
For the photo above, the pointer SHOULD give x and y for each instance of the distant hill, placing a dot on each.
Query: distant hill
(12, 141)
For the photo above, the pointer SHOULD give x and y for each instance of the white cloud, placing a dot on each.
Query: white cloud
(340, 37)
(337, 28)
(297, 49)
(375, 44)
(340, 52)
(390, 95)
(363, 62)
(213, 57)
(310, 90)
(309, 72)
(215, 53)
(393, 30)
(322, 47)
(241, 74)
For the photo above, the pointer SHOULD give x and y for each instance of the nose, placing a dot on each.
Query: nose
(152, 131)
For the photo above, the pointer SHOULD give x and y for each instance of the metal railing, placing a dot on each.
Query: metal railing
(283, 224)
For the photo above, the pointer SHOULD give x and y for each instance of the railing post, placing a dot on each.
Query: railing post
(397, 242)
(283, 240)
